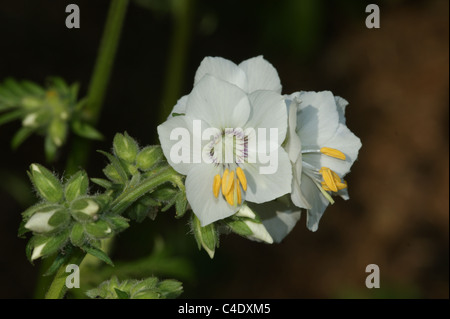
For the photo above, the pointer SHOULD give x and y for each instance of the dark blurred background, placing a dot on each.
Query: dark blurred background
(395, 78)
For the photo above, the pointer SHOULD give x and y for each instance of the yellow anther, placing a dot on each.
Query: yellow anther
(241, 175)
(230, 195)
(227, 181)
(328, 178)
(238, 190)
(332, 153)
(216, 185)
(340, 185)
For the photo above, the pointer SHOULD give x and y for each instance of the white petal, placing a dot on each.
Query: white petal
(223, 69)
(268, 113)
(317, 119)
(346, 142)
(293, 143)
(176, 135)
(199, 193)
(318, 202)
(278, 218)
(265, 187)
(180, 107)
(297, 196)
(219, 103)
(341, 105)
(261, 75)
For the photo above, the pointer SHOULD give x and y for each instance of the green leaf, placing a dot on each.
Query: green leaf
(102, 182)
(86, 130)
(125, 147)
(180, 204)
(14, 87)
(47, 185)
(21, 135)
(76, 186)
(60, 259)
(121, 294)
(22, 230)
(10, 116)
(32, 88)
(99, 254)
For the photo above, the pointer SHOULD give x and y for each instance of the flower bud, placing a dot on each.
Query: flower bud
(99, 229)
(259, 231)
(76, 186)
(39, 222)
(45, 246)
(148, 157)
(47, 185)
(125, 147)
(84, 209)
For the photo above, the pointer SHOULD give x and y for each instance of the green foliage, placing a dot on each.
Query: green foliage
(150, 288)
(49, 111)
(69, 219)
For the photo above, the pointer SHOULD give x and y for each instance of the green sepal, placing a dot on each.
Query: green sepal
(76, 186)
(46, 184)
(100, 254)
(206, 237)
(148, 157)
(99, 229)
(77, 236)
(125, 147)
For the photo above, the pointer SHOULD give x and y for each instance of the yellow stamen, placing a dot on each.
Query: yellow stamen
(332, 153)
(338, 185)
(238, 189)
(241, 175)
(230, 195)
(216, 185)
(328, 178)
(225, 182)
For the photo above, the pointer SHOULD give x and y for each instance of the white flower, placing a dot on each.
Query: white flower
(321, 148)
(233, 103)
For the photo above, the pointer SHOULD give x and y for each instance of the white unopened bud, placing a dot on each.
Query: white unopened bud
(39, 222)
(37, 251)
(260, 232)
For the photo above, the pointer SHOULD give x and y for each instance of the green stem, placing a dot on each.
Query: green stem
(58, 287)
(97, 88)
(182, 13)
(130, 195)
